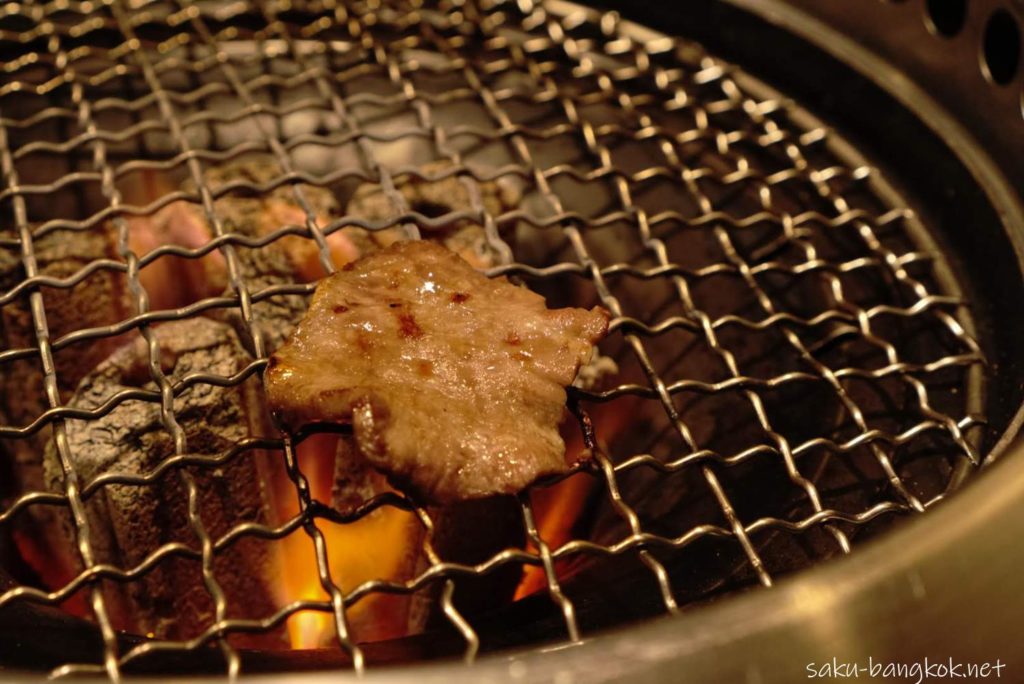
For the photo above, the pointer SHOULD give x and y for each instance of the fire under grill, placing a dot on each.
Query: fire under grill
(791, 367)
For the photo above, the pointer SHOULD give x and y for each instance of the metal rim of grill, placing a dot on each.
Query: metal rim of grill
(630, 70)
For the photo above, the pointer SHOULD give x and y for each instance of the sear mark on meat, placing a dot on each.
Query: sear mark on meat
(451, 399)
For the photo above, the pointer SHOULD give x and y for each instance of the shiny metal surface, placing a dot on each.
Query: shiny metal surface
(948, 69)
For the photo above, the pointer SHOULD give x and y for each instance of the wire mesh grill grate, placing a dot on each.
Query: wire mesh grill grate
(780, 321)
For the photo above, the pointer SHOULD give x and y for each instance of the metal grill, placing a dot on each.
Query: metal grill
(781, 321)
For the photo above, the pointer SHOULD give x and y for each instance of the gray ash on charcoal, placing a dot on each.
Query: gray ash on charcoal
(436, 191)
(276, 264)
(99, 300)
(130, 521)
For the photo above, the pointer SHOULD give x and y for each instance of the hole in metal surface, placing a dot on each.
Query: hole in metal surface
(1001, 47)
(946, 17)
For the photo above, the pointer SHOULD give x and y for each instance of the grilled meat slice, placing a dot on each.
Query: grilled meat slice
(453, 383)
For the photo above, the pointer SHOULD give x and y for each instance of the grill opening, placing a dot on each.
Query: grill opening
(791, 368)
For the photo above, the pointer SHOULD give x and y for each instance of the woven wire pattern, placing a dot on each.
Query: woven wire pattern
(717, 221)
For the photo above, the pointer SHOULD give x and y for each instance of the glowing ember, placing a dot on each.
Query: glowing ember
(304, 253)
(53, 571)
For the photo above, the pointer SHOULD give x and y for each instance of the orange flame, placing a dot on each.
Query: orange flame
(557, 508)
(382, 545)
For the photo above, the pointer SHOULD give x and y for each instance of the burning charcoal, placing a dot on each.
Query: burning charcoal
(171, 282)
(434, 199)
(100, 299)
(261, 214)
(287, 260)
(472, 532)
(459, 537)
(382, 544)
(128, 522)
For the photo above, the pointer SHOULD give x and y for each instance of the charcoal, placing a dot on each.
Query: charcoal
(434, 199)
(130, 521)
(99, 300)
(286, 260)
(473, 532)
(468, 532)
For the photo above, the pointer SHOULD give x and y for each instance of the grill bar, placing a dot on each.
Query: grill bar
(613, 306)
(71, 484)
(633, 86)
